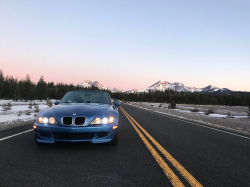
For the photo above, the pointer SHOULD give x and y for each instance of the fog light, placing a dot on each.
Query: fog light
(45, 120)
(34, 126)
(105, 120)
(111, 120)
(115, 127)
(40, 120)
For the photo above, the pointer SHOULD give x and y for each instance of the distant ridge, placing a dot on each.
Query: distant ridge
(161, 86)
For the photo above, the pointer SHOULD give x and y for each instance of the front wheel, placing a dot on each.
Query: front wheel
(114, 142)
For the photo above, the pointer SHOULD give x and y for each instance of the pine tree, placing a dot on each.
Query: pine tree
(41, 89)
(6, 89)
(27, 88)
(172, 105)
(17, 94)
(1, 83)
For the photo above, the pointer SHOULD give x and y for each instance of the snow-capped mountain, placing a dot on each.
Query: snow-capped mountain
(136, 90)
(161, 86)
(116, 89)
(173, 86)
(89, 83)
(180, 87)
(210, 88)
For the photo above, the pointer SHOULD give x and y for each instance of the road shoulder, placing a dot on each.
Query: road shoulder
(231, 130)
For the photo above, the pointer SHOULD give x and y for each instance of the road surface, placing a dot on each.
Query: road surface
(153, 150)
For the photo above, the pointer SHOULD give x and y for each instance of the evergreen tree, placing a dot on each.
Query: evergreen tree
(172, 105)
(1, 83)
(17, 94)
(41, 89)
(27, 88)
(6, 89)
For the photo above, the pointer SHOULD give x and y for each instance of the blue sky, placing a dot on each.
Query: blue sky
(128, 44)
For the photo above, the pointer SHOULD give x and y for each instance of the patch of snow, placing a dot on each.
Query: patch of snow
(10, 116)
(14, 117)
(217, 115)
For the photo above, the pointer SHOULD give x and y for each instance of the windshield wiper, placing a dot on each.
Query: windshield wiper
(66, 102)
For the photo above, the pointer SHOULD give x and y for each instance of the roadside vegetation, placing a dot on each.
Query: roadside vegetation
(248, 112)
(194, 110)
(172, 105)
(209, 111)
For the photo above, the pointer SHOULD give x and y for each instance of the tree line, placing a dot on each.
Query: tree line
(25, 89)
(195, 98)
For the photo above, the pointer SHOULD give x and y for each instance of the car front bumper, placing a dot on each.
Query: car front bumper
(94, 133)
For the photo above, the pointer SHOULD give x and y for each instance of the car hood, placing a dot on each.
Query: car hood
(90, 111)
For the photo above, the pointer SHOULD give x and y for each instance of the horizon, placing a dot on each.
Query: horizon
(117, 86)
(127, 44)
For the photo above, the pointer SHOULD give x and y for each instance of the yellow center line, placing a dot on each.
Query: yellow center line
(168, 172)
(191, 180)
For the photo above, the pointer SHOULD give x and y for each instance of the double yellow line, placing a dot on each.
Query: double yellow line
(168, 172)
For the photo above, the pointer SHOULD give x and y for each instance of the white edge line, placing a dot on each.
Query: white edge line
(15, 135)
(165, 115)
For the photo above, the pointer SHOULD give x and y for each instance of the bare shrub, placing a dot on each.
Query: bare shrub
(194, 110)
(209, 111)
(19, 113)
(27, 112)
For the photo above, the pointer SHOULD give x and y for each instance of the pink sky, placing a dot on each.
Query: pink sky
(125, 79)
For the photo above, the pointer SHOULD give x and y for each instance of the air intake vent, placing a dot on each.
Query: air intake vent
(67, 120)
(80, 120)
(73, 136)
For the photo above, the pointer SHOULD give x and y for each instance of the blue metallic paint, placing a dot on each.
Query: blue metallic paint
(88, 110)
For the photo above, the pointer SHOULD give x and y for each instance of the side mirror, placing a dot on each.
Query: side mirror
(117, 104)
(56, 102)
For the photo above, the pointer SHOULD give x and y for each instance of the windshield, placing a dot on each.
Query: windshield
(86, 97)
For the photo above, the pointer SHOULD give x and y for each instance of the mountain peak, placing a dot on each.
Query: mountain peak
(89, 83)
(159, 86)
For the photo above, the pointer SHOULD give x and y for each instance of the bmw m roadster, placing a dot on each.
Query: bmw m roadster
(81, 115)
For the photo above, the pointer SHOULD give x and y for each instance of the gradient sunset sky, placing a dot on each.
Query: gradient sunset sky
(128, 44)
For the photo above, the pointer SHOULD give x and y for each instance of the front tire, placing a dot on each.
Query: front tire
(114, 142)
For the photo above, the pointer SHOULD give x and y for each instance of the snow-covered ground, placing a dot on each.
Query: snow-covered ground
(18, 111)
(221, 111)
(238, 119)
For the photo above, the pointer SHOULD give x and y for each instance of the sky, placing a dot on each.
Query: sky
(128, 44)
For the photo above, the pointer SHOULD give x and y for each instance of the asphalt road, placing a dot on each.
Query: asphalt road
(198, 156)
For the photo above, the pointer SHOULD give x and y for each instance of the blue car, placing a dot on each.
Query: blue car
(80, 116)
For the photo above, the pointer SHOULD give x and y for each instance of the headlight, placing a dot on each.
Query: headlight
(40, 120)
(97, 120)
(103, 120)
(111, 120)
(45, 120)
(50, 120)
